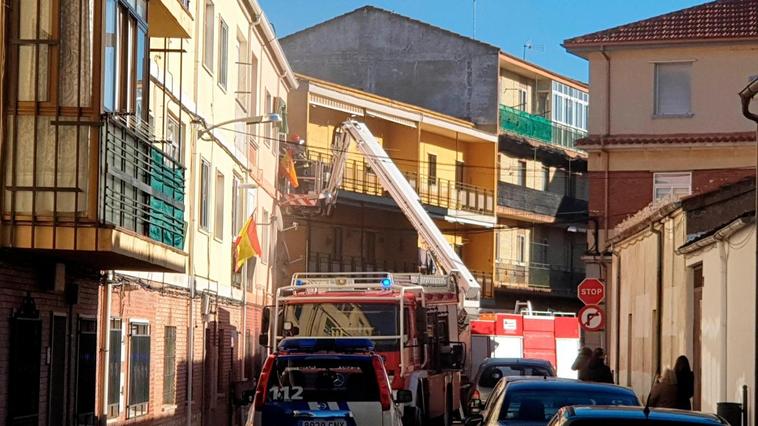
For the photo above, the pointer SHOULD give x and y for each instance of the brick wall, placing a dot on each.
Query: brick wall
(217, 353)
(20, 276)
(630, 191)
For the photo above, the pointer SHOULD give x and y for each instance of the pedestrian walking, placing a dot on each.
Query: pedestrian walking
(665, 393)
(582, 363)
(598, 370)
(685, 383)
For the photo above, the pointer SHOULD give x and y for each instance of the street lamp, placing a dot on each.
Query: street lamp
(258, 119)
(746, 95)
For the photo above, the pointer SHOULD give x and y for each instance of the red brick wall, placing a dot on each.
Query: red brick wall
(171, 308)
(630, 191)
(17, 277)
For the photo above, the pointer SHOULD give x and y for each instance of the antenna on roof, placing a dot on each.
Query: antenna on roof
(473, 30)
(529, 45)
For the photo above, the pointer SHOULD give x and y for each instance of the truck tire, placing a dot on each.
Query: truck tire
(414, 416)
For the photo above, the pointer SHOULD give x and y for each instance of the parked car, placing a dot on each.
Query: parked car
(630, 416)
(491, 370)
(534, 401)
(325, 382)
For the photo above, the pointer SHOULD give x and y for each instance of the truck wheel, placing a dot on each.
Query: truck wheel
(414, 416)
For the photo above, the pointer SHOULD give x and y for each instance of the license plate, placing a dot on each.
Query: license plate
(323, 423)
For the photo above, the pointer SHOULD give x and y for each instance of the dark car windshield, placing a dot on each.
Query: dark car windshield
(323, 379)
(491, 375)
(541, 404)
(343, 320)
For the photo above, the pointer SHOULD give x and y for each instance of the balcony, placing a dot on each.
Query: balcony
(539, 128)
(328, 262)
(537, 277)
(437, 192)
(170, 19)
(520, 202)
(113, 201)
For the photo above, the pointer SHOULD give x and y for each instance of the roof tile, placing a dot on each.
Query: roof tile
(708, 138)
(717, 20)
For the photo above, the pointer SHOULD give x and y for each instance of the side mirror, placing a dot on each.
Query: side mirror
(263, 339)
(474, 420)
(266, 318)
(403, 396)
(475, 406)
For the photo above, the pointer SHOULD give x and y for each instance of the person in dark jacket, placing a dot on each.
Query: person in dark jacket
(582, 363)
(665, 393)
(685, 383)
(598, 371)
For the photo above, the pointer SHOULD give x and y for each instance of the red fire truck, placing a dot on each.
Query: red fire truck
(414, 321)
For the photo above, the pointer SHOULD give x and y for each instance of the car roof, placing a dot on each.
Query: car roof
(515, 361)
(567, 384)
(634, 413)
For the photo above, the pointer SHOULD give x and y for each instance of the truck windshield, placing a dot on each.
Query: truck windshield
(342, 320)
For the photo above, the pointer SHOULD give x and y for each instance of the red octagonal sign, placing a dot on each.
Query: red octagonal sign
(591, 291)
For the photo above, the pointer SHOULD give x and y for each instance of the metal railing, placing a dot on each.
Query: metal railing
(433, 191)
(141, 188)
(328, 262)
(538, 127)
(537, 276)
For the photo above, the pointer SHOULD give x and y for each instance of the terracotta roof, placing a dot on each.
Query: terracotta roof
(718, 20)
(707, 138)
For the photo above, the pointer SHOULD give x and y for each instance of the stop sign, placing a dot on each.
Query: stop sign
(591, 291)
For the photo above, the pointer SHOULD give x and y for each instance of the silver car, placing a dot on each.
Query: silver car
(493, 369)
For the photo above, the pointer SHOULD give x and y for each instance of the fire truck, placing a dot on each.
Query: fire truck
(418, 322)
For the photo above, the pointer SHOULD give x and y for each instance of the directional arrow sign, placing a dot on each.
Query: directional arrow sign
(592, 318)
(591, 291)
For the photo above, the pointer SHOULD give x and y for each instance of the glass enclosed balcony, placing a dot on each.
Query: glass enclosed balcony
(539, 128)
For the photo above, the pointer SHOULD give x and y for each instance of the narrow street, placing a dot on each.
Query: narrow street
(332, 213)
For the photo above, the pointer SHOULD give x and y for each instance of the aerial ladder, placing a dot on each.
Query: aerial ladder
(404, 195)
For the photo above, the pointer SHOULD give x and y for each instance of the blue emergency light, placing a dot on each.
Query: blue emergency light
(298, 282)
(386, 283)
(313, 344)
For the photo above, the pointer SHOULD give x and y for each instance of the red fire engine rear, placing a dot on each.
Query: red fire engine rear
(413, 320)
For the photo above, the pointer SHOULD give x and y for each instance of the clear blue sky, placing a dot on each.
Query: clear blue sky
(508, 24)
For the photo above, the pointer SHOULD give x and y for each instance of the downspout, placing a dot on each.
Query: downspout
(658, 294)
(746, 95)
(606, 177)
(105, 348)
(724, 256)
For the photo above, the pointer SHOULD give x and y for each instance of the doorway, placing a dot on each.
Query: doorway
(697, 329)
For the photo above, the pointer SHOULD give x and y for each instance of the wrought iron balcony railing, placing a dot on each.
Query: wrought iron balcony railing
(537, 276)
(141, 188)
(433, 191)
(540, 128)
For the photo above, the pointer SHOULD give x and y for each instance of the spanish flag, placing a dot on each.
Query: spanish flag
(246, 244)
(287, 168)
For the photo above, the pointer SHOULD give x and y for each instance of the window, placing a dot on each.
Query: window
(114, 369)
(545, 178)
(254, 84)
(242, 72)
(125, 68)
(223, 53)
(521, 173)
(218, 217)
(264, 236)
(139, 369)
(520, 248)
(173, 139)
(169, 365)
(678, 184)
(498, 241)
(523, 100)
(432, 164)
(205, 170)
(268, 108)
(672, 88)
(337, 243)
(459, 167)
(209, 20)
(237, 217)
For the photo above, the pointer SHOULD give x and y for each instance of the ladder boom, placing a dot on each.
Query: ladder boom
(405, 196)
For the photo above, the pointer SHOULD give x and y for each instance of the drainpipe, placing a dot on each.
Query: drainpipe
(105, 338)
(724, 255)
(606, 178)
(746, 95)
(658, 294)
